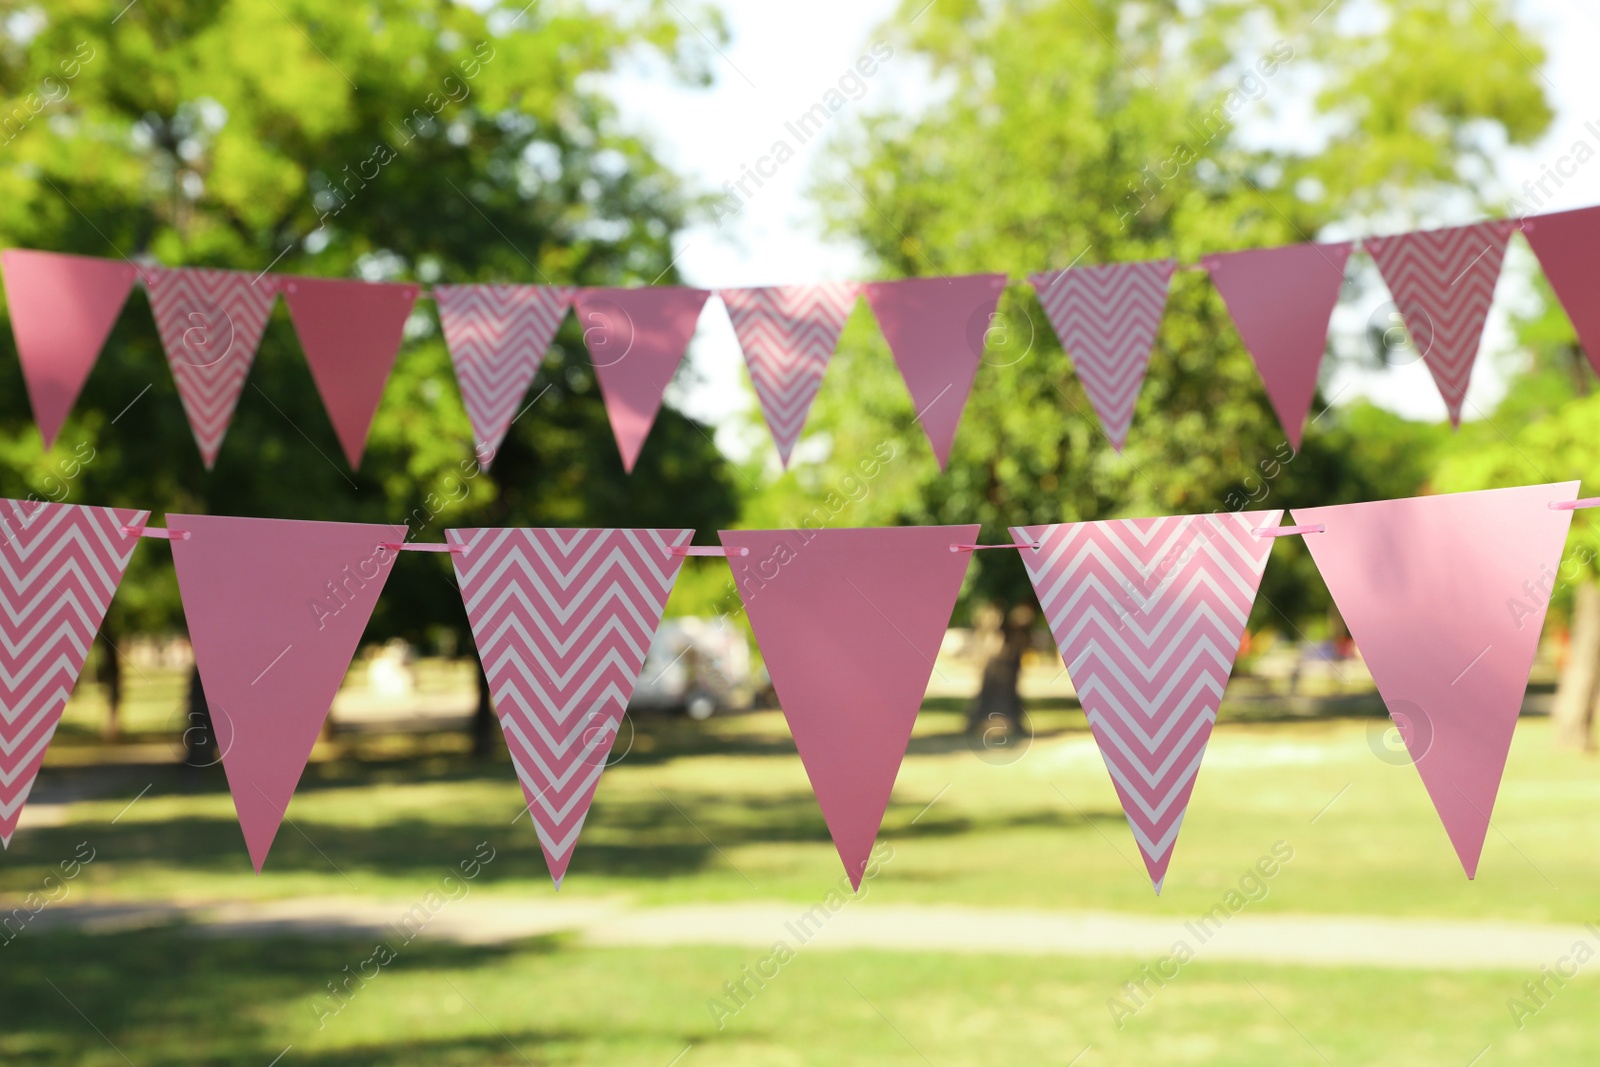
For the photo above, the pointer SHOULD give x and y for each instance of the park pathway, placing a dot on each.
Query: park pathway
(1323, 941)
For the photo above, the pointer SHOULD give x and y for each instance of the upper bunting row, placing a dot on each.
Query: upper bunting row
(1281, 299)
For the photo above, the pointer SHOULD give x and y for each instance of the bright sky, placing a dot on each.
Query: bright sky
(783, 58)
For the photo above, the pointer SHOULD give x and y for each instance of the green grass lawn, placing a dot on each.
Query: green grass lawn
(722, 812)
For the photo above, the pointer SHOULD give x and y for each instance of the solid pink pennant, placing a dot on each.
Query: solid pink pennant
(1568, 246)
(1445, 597)
(276, 609)
(59, 566)
(1106, 317)
(1281, 300)
(849, 623)
(1148, 615)
(788, 334)
(62, 310)
(350, 331)
(498, 335)
(1443, 282)
(563, 620)
(210, 322)
(936, 329)
(636, 339)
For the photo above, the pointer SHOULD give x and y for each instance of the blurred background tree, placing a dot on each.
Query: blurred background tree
(387, 139)
(1088, 131)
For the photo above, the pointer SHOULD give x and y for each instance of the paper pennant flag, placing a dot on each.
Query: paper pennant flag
(1436, 592)
(1443, 282)
(498, 335)
(1568, 246)
(210, 322)
(636, 339)
(276, 609)
(936, 329)
(1281, 300)
(62, 309)
(1106, 318)
(788, 334)
(849, 623)
(350, 331)
(59, 566)
(1148, 614)
(563, 620)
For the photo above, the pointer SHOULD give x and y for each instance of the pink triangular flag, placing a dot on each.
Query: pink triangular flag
(276, 608)
(563, 620)
(1148, 615)
(210, 323)
(59, 566)
(1445, 597)
(849, 623)
(788, 334)
(1106, 317)
(1443, 282)
(498, 335)
(350, 331)
(1568, 246)
(936, 329)
(636, 339)
(1281, 300)
(62, 310)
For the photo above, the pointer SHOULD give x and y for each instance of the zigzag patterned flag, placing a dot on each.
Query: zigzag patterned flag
(1443, 283)
(210, 323)
(498, 335)
(563, 620)
(1106, 318)
(59, 566)
(1148, 614)
(62, 310)
(788, 334)
(1568, 246)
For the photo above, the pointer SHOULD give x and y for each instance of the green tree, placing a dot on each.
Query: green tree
(1084, 131)
(385, 139)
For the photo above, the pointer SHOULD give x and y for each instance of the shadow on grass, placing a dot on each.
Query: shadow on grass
(167, 997)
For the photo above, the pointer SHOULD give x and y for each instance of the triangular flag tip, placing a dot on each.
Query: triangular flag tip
(1394, 569)
(1148, 615)
(873, 606)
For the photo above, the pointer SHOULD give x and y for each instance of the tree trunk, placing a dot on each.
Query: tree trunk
(1578, 691)
(1003, 637)
(199, 735)
(110, 676)
(483, 718)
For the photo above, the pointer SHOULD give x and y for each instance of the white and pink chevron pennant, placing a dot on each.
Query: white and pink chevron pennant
(788, 334)
(563, 620)
(1443, 283)
(60, 564)
(211, 322)
(1148, 614)
(497, 336)
(1106, 318)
